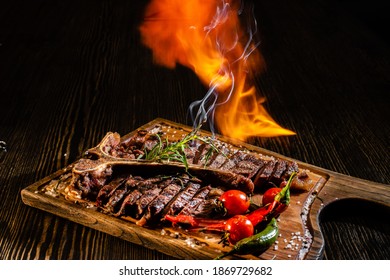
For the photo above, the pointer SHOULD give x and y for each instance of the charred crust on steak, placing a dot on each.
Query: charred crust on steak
(182, 199)
(121, 184)
(156, 206)
(193, 204)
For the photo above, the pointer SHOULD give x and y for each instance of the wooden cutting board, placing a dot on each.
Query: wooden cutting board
(300, 235)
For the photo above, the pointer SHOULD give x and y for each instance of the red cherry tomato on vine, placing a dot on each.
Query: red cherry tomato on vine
(235, 202)
(269, 195)
(238, 227)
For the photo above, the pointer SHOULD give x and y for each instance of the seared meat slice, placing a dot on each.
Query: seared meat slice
(116, 197)
(276, 176)
(244, 164)
(227, 179)
(152, 191)
(205, 155)
(219, 159)
(182, 199)
(232, 161)
(154, 209)
(207, 208)
(114, 200)
(190, 154)
(195, 201)
(145, 199)
(291, 167)
(200, 153)
(107, 190)
(128, 204)
(264, 174)
(137, 188)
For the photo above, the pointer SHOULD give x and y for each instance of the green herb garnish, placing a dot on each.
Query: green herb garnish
(175, 151)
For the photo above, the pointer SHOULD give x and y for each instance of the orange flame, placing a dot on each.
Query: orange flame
(205, 36)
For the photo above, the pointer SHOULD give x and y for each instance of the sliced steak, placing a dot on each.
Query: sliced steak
(248, 165)
(128, 205)
(207, 209)
(145, 199)
(155, 208)
(219, 159)
(225, 179)
(116, 196)
(280, 168)
(291, 167)
(264, 174)
(195, 201)
(152, 191)
(107, 190)
(138, 186)
(200, 153)
(182, 199)
(232, 161)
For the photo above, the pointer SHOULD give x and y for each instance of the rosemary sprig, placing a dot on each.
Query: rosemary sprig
(175, 151)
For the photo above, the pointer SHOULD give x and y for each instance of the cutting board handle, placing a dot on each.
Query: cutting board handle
(338, 187)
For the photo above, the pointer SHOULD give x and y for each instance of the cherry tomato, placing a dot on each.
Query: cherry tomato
(238, 227)
(269, 195)
(235, 202)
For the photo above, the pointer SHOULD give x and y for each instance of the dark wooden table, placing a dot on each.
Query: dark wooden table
(70, 71)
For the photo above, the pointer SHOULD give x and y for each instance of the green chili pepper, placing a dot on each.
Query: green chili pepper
(284, 195)
(256, 243)
(282, 199)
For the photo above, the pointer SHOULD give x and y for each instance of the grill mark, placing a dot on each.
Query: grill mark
(182, 199)
(196, 200)
(264, 174)
(157, 205)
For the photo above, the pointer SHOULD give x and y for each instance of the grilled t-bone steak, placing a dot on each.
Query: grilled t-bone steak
(122, 183)
(229, 163)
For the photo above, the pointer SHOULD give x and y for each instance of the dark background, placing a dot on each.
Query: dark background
(70, 71)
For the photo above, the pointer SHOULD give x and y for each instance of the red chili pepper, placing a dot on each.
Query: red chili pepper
(196, 222)
(280, 203)
(259, 214)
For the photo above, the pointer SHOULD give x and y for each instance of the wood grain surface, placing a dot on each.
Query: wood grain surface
(72, 70)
